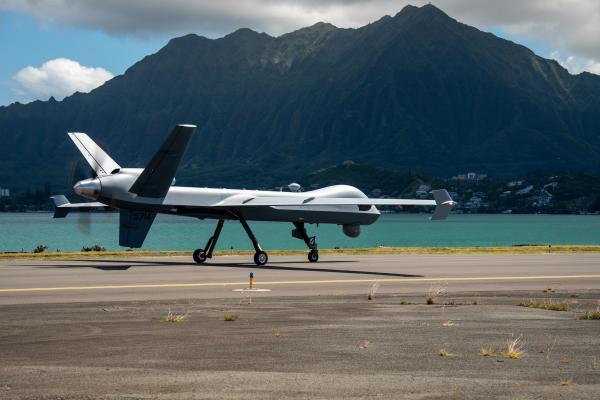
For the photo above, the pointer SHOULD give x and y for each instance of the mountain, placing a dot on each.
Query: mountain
(416, 91)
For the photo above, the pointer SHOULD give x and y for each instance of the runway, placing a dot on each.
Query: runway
(95, 328)
(163, 278)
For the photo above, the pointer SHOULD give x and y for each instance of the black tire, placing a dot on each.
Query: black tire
(313, 256)
(260, 258)
(199, 256)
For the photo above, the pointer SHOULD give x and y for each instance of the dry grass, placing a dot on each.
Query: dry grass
(434, 292)
(364, 344)
(448, 323)
(174, 318)
(546, 305)
(377, 250)
(565, 382)
(230, 317)
(372, 290)
(487, 351)
(591, 314)
(514, 348)
(445, 353)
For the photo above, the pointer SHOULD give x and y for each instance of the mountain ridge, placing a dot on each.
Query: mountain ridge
(418, 91)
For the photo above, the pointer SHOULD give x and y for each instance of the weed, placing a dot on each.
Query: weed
(448, 323)
(372, 290)
(279, 334)
(541, 350)
(548, 290)
(95, 247)
(174, 318)
(476, 302)
(546, 305)
(487, 351)
(564, 360)
(230, 317)
(565, 382)
(445, 353)
(594, 364)
(364, 344)
(573, 295)
(514, 348)
(40, 248)
(434, 292)
(591, 314)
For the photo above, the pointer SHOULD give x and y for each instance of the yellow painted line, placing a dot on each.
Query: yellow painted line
(216, 284)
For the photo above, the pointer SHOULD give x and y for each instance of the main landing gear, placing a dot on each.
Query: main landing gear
(200, 255)
(300, 233)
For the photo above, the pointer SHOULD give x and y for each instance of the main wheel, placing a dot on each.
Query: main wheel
(199, 256)
(313, 256)
(260, 258)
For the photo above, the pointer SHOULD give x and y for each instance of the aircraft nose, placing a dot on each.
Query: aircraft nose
(88, 188)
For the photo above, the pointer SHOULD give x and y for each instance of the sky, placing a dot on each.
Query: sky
(57, 47)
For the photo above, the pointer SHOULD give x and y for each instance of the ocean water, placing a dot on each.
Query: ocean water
(24, 231)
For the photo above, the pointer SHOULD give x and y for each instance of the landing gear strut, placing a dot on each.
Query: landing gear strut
(260, 257)
(300, 233)
(200, 255)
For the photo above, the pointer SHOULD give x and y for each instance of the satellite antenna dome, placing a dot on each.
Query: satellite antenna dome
(294, 187)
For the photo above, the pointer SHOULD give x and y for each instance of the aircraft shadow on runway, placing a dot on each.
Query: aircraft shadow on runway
(225, 265)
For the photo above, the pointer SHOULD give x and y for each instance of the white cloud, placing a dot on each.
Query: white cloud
(577, 64)
(570, 26)
(60, 77)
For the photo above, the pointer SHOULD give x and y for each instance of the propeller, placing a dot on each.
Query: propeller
(78, 172)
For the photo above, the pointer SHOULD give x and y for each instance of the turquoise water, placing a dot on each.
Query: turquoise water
(25, 231)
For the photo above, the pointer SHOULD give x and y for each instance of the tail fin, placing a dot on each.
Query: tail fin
(100, 162)
(444, 204)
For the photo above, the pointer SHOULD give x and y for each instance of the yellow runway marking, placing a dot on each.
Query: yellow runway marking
(216, 284)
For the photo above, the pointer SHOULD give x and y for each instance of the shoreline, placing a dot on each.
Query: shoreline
(515, 249)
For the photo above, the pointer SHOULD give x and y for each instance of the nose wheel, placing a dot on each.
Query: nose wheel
(200, 255)
(313, 256)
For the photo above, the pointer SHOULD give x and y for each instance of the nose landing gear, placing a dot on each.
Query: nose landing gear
(200, 255)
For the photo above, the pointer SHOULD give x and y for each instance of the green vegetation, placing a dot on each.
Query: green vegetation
(546, 305)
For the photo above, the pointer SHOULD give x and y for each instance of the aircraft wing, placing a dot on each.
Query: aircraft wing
(158, 175)
(281, 201)
(442, 201)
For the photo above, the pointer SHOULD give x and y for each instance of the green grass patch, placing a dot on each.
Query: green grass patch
(546, 305)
